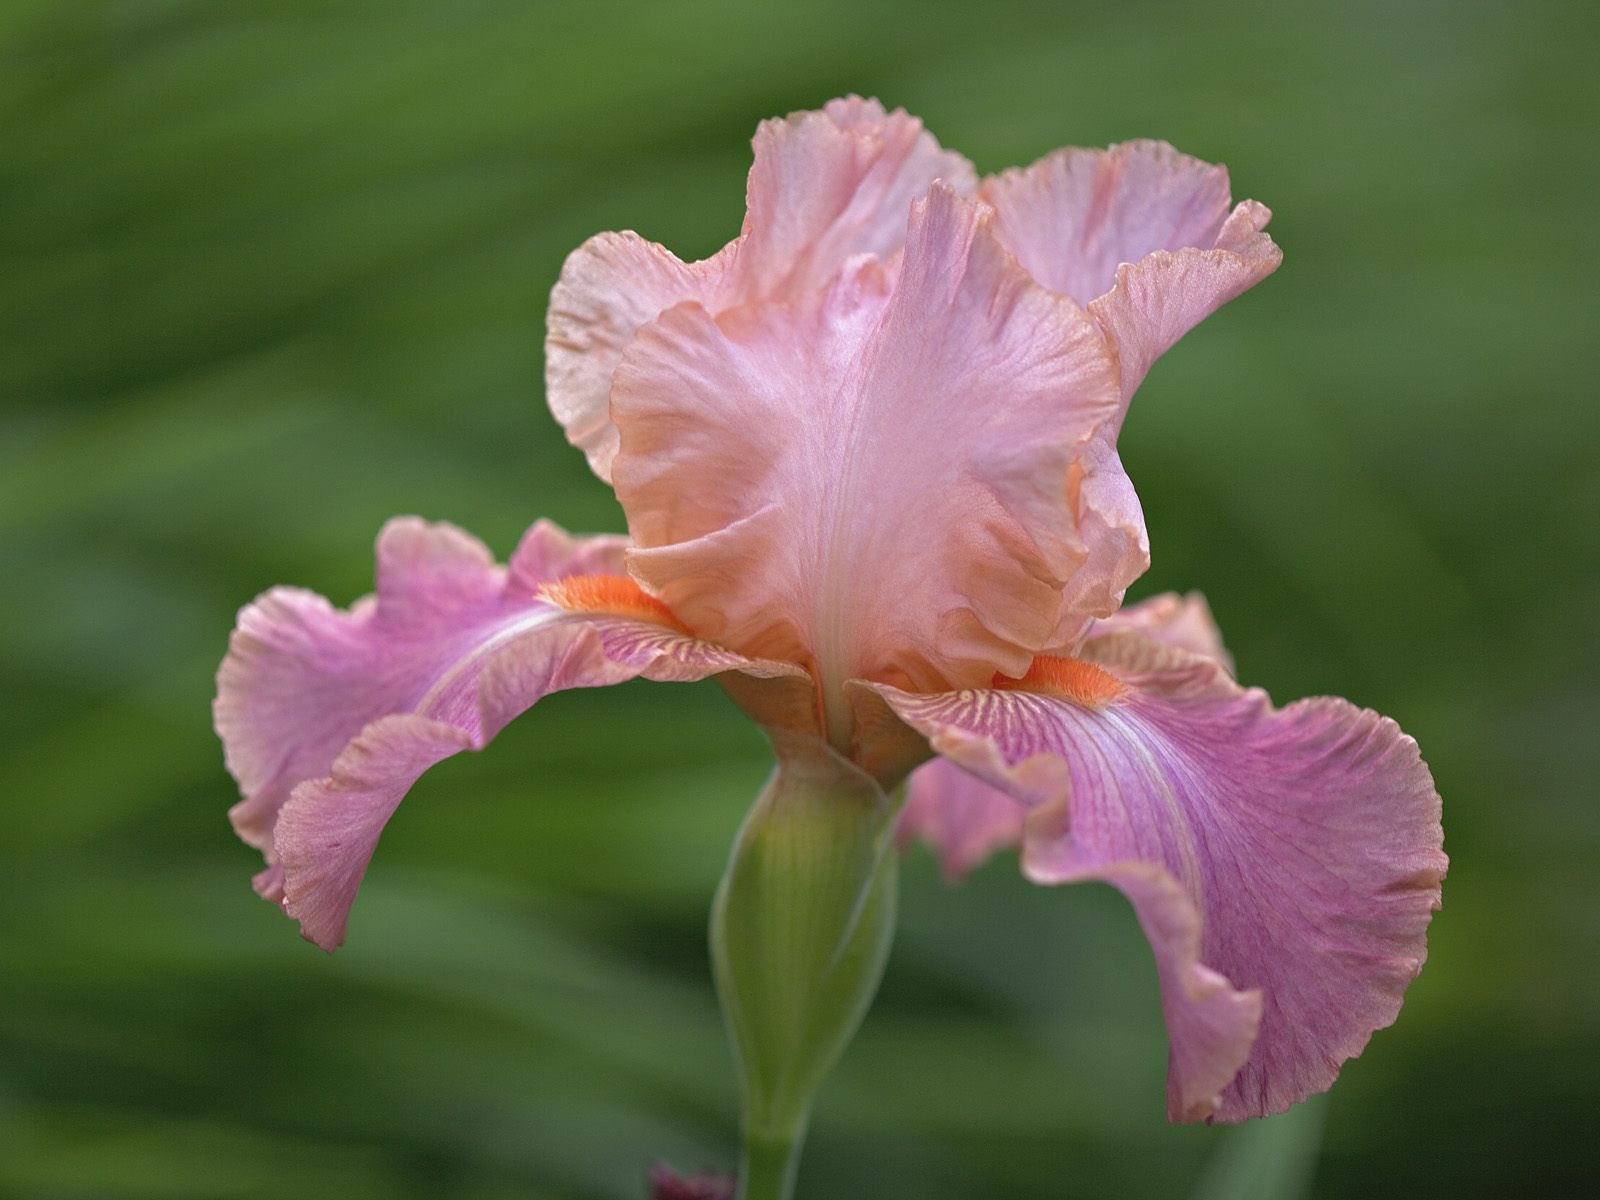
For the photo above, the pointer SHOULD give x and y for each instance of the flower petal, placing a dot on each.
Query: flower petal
(328, 717)
(1140, 233)
(1110, 523)
(825, 186)
(960, 816)
(1284, 864)
(890, 462)
(829, 185)
(1165, 294)
(609, 286)
(1076, 215)
(1184, 622)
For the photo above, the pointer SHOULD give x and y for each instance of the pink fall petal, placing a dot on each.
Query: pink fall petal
(890, 462)
(966, 820)
(328, 717)
(963, 818)
(825, 186)
(1284, 864)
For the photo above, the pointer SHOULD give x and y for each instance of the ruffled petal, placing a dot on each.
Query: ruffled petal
(1140, 233)
(1076, 215)
(825, 186)
(1284, 864)
(328, 717)
(609, 286)
(1110, 524)
(1184, 622)
(890, 462)
(1167, 293)
(964, 819)
(829, 185)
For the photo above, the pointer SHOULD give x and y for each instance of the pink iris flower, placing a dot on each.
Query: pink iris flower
(867, 454)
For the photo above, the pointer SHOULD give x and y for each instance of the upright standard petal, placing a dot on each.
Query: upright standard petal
(609, 286)
(890, 463)
(825, 186)
(1183, 622)
(1076, 215)
(1110, 523)
(1284, 864)
(327, 718)
(1140, 233)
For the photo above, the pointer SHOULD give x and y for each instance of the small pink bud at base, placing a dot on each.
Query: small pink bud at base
(667, 1184)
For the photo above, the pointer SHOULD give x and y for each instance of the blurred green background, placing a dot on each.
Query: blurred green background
(275, 270)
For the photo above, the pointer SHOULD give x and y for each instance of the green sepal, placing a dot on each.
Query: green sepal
(800, 931)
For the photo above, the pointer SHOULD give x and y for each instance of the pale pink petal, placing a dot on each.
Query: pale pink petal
(874, 484)
(1284, 864)
(1184, 622)
(825, 186)
(1167, 293)
(829, 185)
(960, 816)
(609, 286)
(1110, 523)
(1076, 215)
(328, 717)
(1140, 233)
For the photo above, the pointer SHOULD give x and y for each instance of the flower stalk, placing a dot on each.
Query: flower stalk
(800, 931)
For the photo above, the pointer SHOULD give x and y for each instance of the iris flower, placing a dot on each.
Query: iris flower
(867, 455)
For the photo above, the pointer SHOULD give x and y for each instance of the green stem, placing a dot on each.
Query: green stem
(800, 931)
(767, 1170)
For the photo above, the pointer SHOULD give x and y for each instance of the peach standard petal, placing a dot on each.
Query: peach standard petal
(1140, 234)
(825, 186)
(875, 483)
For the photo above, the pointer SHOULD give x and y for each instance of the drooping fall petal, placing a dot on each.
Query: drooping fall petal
(1283, 863)
(1141, 234)
(963, 818)
(328, 717)
(875, 484)
(825, 186)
